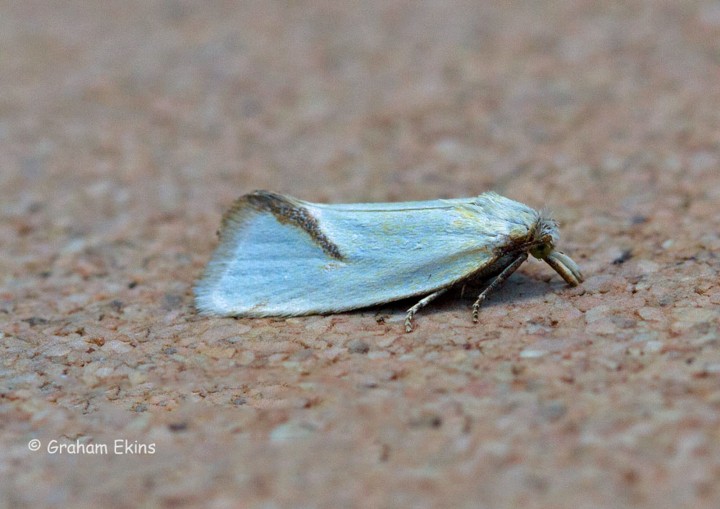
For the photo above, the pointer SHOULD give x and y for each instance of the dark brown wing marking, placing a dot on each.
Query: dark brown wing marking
(284, 211)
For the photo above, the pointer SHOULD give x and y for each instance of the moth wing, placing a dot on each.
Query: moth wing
(279, 256)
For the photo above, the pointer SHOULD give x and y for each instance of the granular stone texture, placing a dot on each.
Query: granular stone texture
(127, 128)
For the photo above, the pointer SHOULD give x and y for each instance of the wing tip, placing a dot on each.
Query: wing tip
(235, 215)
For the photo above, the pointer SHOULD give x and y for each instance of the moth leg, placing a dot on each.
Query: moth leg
(421, 304)
(500, 279)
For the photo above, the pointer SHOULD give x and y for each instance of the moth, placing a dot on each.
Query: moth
(280, 256)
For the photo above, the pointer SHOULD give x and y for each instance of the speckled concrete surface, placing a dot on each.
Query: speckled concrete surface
(126, 128)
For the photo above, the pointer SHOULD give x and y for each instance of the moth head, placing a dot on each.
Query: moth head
(543, 248)
(545, 238)
(542, 251)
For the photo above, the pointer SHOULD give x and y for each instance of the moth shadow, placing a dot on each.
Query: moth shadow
(519, 287)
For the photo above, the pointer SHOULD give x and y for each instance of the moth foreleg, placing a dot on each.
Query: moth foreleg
(421, 304)
(500, 279)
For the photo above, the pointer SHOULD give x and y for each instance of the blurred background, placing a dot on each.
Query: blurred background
(358, 101)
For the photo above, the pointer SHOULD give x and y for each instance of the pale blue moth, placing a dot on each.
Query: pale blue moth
(280, 256)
